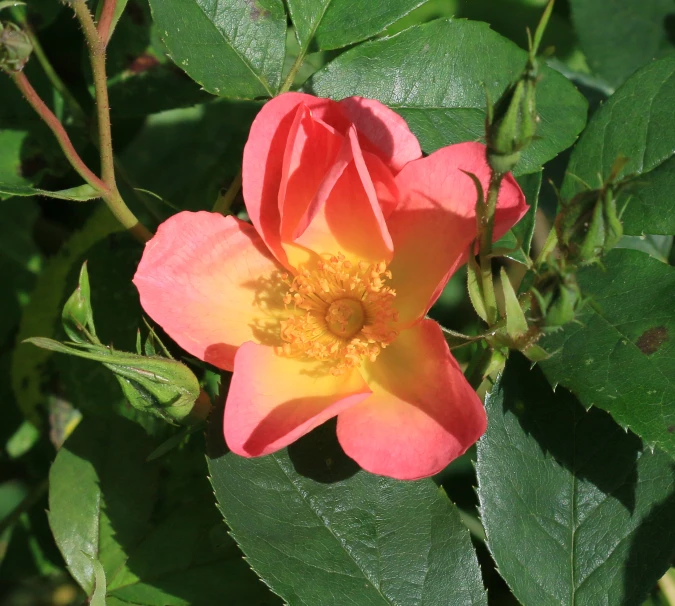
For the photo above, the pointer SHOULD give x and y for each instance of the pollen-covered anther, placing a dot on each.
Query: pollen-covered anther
(339, 312)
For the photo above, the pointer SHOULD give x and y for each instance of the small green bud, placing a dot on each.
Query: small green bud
(160, 386)
(589, 226)
(15, 47)
(557, 299)
(77, 315)
(513, 122)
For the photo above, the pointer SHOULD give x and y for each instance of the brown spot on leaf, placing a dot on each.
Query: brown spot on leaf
(256, 11)
(652, 339)
(670, 428)
(142, 63)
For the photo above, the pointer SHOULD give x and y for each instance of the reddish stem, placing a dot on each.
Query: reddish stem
(105, 21)
(59, 132)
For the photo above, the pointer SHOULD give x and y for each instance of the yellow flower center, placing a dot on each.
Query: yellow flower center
(339, 312)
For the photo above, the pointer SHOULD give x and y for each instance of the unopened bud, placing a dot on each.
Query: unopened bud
(160, 386)
(512, 123)
(77, 315)
(557, 300)
(15, 47)
(588, 225)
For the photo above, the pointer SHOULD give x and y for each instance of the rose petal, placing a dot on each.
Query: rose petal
(311, 151)
(273, 400)
(206, 280)
(422, 413)
(385, 129)
(264, 156)
(381, 132)
(435, 222)
(345, 216)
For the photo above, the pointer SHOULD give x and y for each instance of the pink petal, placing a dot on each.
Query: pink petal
(345, 216)
(273, 399)
(422, 413)
(435, 222)
(385, 129)
(207, 280)
(264, 157)
(311, 151)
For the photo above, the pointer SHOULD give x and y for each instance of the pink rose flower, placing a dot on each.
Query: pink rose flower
(319, 307)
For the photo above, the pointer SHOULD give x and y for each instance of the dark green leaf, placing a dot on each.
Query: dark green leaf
(320, 531)
(161, 541)
(337, 23)
(636, 122)
(234, 49)
(437, 75)
(577, 512)
(101, 496)
(619, 356)
(11, 177)
(621, 36)
(142, 80)
(656, 246)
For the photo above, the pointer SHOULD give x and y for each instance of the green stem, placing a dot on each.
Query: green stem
(97, 58)
(485, 251)
(475, 373)
(224, 201)
(288, 82)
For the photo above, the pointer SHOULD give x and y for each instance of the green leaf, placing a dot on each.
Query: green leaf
(234, 49)
(81, 193)
(11, 177)
(619, 356)
(621, 36)
(437, 75)
(577, 512)
(101, 496)
(160, 542)
(142, 80)
(658, 247)
(320, 531)
(637, 122)
(337, 23)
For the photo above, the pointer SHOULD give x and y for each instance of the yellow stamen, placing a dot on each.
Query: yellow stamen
(339, 313)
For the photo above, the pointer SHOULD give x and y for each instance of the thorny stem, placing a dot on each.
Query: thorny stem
(97, 58)
(59, 132)
(49, 71)
(487, 230)
(74, 105)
